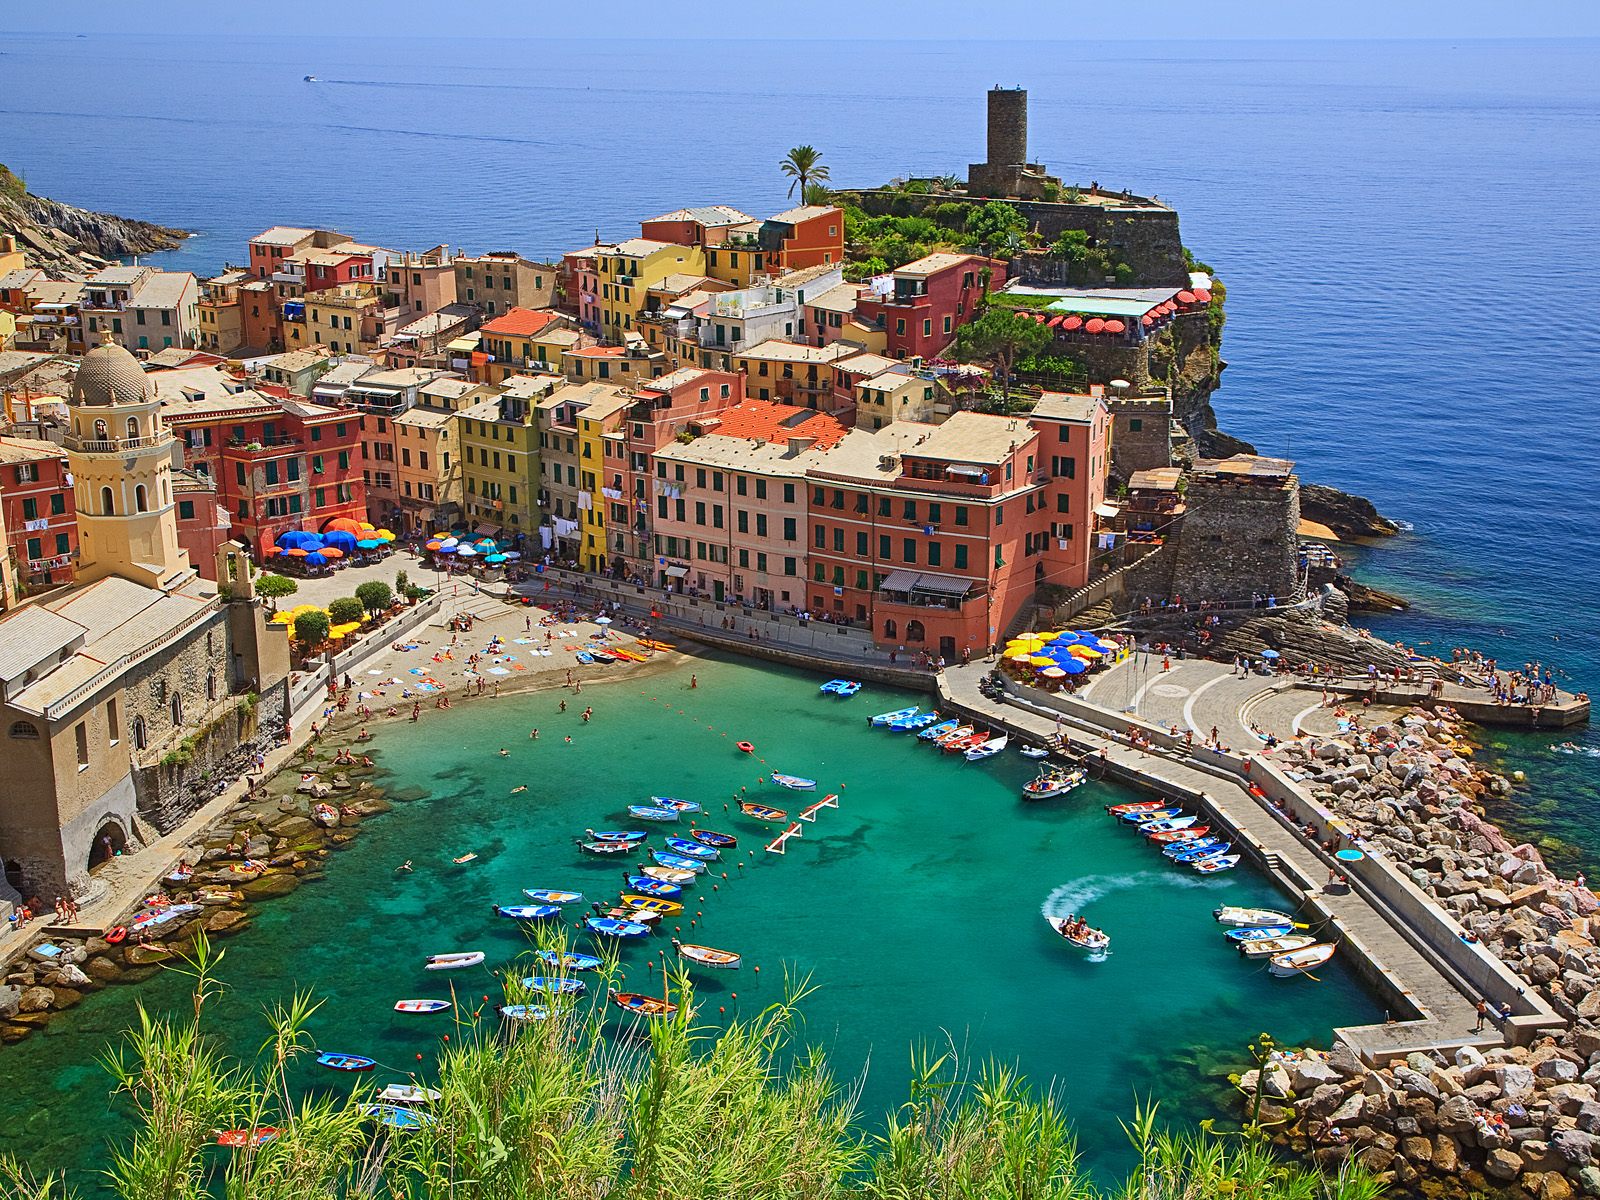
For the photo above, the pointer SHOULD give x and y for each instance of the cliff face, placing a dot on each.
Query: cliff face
(60, 238)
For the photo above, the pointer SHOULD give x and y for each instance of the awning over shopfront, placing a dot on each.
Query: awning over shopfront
(898, 581)
(943, 585)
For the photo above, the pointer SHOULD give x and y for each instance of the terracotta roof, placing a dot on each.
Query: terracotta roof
(599, 351)
(521, 322)
(768, 421)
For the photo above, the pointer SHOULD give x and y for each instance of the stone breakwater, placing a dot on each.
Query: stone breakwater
(261, 849)
(1517, 1118)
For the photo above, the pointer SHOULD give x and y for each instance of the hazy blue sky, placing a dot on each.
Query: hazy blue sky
(1030, 19)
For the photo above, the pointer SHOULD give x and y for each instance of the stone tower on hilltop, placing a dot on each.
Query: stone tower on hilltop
(120, 452)
(1008, 173)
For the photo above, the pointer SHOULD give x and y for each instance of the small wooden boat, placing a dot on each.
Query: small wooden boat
(568, 960)
(325, 815)
(1231, 915)
(606, 847)
(616, 835)
(421, 1006)
(672, 802)
(1298, 962)
(463, 859)
(407, 1093)
(1272, 947)
(648, 886)
(346, 1062)
(612, 927)
(641, 1005)
(400, 1117)
(935, 732)
(793, 782)
(1166, 824)
(523, 1012)
(644, 812)
(1143, 806)
(710, 837)
(652, 904)
(705, 956)
(1050, 784)
(551, 896)
(1188, 833)
(1034, 752)
(1258, 933)
(762, 812)
(898, 714)
(1193, 852)
(960, 745)
(634, 916)
(693, 849)
(987, 749)
(527, 912)
(959, 732)
(554, 986)
(1154, 814)
(667, 858)
(238, 1139)
(453, 962)
(1216, 863)
(1084, 938)
(668, 875)
(916, 721)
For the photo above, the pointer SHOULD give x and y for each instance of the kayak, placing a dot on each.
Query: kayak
(705, 956)
(710, 837)
(668, 875)
(551, 896)
(762, 812)
(683, 806)
(643, 812)
(1229, 915)
(654, 887)
(346, 1062)
(691, 849)
(421, 1006)
(613, 928)
(793, 782)
(568, 961)
(452, 962)
(682, 862)
(526, 912)
(642, 1005)
(554, 987)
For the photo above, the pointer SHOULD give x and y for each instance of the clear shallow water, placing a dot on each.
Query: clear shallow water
(915, 908)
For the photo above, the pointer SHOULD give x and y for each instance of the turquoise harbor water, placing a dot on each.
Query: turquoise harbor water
(914, 908)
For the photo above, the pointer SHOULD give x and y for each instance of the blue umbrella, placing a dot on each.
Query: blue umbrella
(1066, 639)
(298, 539)
(1073, 666)
(494, 558)
(368, 544)
(486, 544)
(315, 560)
(339, 539)
(445, 550)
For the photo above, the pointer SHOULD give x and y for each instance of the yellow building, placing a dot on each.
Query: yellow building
(901, 393)
(629, 269)
(741, 257)
(601, 463)
(427, 454)
(347, 319)
(622, 365)
(500, 456)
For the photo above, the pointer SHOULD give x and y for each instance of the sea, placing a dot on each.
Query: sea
(1406, 231)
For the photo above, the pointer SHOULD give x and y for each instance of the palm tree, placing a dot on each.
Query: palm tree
(804, 165)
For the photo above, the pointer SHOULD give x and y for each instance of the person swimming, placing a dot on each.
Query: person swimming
(521, 787)
(403, 868)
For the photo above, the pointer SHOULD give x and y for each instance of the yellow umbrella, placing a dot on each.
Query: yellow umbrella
(1084, 652)
(1029, 642)
(1042, 660)
(1021, 656)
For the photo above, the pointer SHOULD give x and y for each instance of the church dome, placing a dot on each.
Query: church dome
(109, 375)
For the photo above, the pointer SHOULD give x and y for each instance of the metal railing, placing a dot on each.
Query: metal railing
(115, 445)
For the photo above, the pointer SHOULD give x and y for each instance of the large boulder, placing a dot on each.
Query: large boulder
(36, 999)
(269, 886)
(10, 1000)
(1574, 1146)
(1308, 1074)
(1513, 1080)
(1456, 1116)
(1446, 1156)
(102, 970)
(1415, 1083)
(1557, 1070)
(1503, 1164)
(225, 921)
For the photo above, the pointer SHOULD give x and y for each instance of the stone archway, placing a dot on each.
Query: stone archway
(109, 840)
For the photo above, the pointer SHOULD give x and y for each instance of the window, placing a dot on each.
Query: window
(1135, 424)
(1063, 503)
(861, 544)
(30, 509)
(1064, 468)
(113, 725)
(961, 558)
(820, 537)
(141, 501)
(761, 524)
(58, 503)
(910, 548)
(81, 736)
(935, 553)
(788, 491)
(961, 514)
(789, 566)
(883, 546)
(63, 543)
(24, 729)
(106, 507)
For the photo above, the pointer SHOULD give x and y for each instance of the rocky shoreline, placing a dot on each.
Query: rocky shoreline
(265, 846)
(1524, 1118)
(62, 238)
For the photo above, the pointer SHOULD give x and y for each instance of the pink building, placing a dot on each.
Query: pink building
(580, 287)
(1074, 455)
(729, 507)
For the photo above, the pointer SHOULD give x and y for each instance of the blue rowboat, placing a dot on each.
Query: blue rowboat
(346, 1062)
(938, 731)
(682, 862)
(527, 912)
(613, 928)
(653, 887)
(669, 875)
(899, 714)
(606, 847)
(1258, 933)
(554, 987)
(1215, 863)
(551, 896)
(675, 804)
(919, 720)
(644, 812)
(524, 1012)
(1196, 852)
(840, 687)
(568, 961)
(584, 657)
(399, 1117)
(693, 849)
(793, 782)
(1177, 849)
(616, 835)
(710, 837)
(1153, 814)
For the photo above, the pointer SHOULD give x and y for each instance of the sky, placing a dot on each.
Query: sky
(887, 19)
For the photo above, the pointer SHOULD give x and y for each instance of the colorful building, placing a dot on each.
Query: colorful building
(428, 454)
(500, 457)
(792, 373)
(561, 481)
(203, 524)
(499, 282)
(930, 299)
(602, 463)
(629, 269)
(422, 283)
(1074, 458)
(142, 308)
(39, 514)
(620, 365)
(809, 236)
(514, 344)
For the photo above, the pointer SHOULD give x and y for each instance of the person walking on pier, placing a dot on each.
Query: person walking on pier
(1483, 1015)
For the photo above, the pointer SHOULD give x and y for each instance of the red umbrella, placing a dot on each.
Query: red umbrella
(1041, 318)
(270, 551)
(1115, 326)
(1169, 307)
(1072, 322)
(296, 552)
(1185, 297)
(1147, 319)
(1203, 296)
(1055, 322)
(1094, 325)
(331, 552)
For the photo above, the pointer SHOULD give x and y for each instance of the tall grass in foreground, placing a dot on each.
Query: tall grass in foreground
(562, 1109)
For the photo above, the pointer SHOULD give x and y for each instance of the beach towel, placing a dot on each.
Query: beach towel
(498, 671)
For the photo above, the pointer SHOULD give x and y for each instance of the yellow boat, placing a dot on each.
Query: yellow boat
(651, 644)
(666, 908)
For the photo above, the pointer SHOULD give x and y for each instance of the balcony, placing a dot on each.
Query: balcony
(253, 445)
(925, 589)
(115, 445)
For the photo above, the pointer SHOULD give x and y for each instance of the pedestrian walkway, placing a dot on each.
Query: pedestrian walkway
(1433, 1002)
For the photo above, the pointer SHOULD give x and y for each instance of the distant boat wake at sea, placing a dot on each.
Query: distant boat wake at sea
(1071, 899)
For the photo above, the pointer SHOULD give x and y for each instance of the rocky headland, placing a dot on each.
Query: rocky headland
(66, 240)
